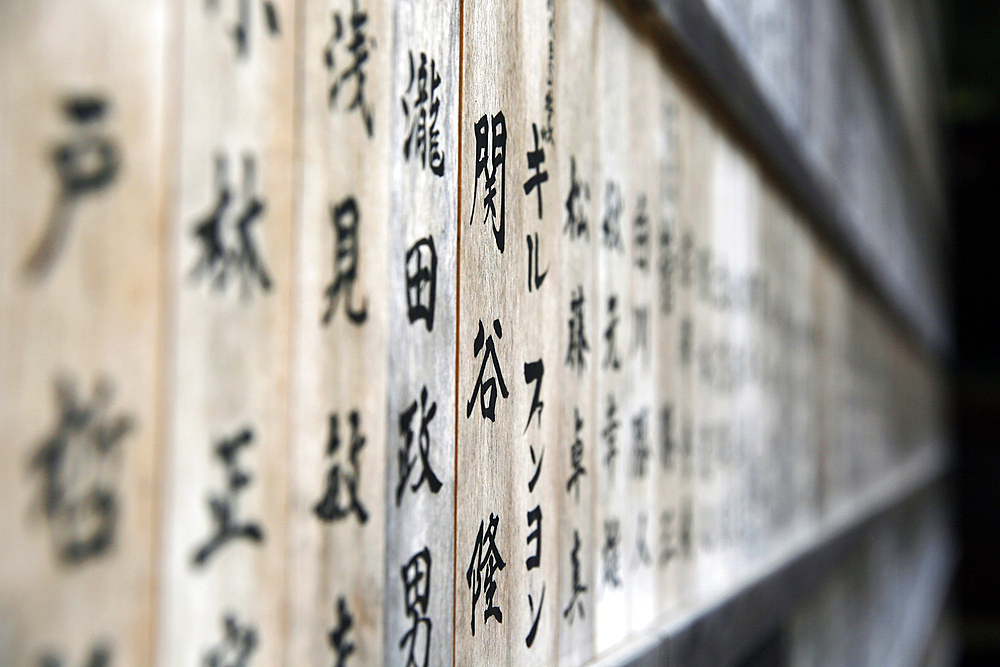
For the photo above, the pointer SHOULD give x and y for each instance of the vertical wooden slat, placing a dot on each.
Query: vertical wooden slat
(774, 476)
(81, 222)
(718, 265)
(640, 356)
(735, 279)
(537, 176)
(506, 329)
(667, 311)
(829, 319)
(693, 208)
(577, 200)
(338, 457)
(422, 283)
(692, 170)
(615, 533)
(224, 526)
(804, 485)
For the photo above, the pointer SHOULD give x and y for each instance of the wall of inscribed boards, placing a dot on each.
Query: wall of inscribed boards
(292, 373)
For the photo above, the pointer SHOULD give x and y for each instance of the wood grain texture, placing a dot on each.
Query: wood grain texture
(225, 470)
(616, 534)
(778, 262)
(690, 159)
(81, 266)
(423, 236)
(578, 199)
(695, 133)
(507, 461)
(641, 428)
(339, 426)
(667, 311)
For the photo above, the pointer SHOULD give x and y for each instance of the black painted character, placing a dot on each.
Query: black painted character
(687, 528)
(641, 245)
(535, 519)
(576, 456)
(534, 372)
(488, 165)
(100, 656)
(535, 279)
(489, 387)
(666, 267)
(416, 576)
(345, 218)
(535, 159)
(611, 359)
(668, 548)
(237, 645)
(640, 443)
(341, 497)
(359, 48)
(407, 462)
(486, 562)
(610, 432)
(576, 225)
(640, 331)
(687, 447)
(223, 507)
(337, 638)
(537, 462)
(241, 30)
(79, 462)
(421, 111)
(687, 341)
(537, 614)
(642, 555)
(85, 165)
(421, 281)
(611, 226)
(575, 601)
(228, 249)
(533, 561)
(577, 345)
(612, 538)
(666, 437)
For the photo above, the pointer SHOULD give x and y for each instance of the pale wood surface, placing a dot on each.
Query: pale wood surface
(614, 402)
(667, 311)
(421, 353)
(640, 358)
(336, 562)
(579, 333)
(229, 333)
(696, 138)
(504, 65)
(691, 166)
(80, 337)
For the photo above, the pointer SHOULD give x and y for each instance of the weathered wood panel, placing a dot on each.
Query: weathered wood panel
(338, 454)
(578, 199)
(422, 298)
(223, 576)
(507, 519)
(82, 205)
(616, 201)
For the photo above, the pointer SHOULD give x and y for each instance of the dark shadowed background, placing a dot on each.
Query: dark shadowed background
(972, 137)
